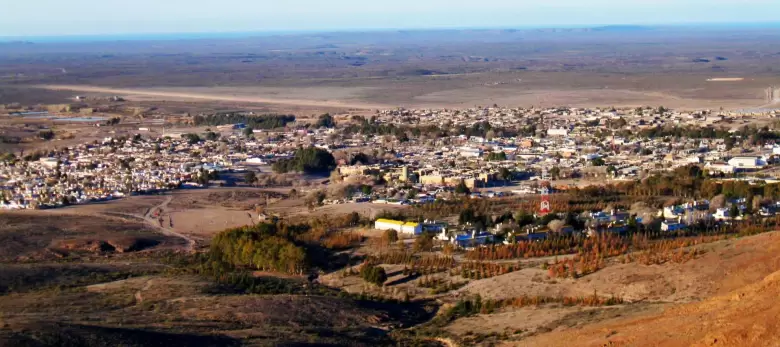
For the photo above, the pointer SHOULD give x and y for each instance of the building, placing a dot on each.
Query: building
(470, 152)
(747, 162)
(557, 132)
(672, 225)
(50, 163)
(399, 226)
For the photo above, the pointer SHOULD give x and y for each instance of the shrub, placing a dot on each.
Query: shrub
(373, 274)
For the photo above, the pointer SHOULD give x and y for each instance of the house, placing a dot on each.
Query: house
(473, 239)
(722, 214)
(672, 225)
(399, 226)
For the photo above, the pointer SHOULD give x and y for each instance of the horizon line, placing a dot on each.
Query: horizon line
(216, 34)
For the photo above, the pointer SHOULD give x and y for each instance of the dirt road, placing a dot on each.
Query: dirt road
(167, 229)
(163, 94)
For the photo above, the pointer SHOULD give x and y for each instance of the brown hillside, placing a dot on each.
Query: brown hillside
(747, 316)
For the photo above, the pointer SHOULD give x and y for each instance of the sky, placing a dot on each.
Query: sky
(112, 17)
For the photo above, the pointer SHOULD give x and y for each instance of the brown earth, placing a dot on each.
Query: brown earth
(745, 317)
(725, 297)
(44, 234)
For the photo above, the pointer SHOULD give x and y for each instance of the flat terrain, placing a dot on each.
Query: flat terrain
(704, 67)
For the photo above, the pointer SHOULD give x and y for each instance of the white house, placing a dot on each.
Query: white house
(672, 225)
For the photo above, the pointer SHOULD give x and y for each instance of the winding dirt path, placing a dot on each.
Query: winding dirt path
(163, 228)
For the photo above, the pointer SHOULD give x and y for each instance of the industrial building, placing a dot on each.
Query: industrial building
(411, 228)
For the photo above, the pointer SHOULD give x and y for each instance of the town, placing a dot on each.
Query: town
(414, 157)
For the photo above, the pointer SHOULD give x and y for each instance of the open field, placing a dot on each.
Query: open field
(675, 67)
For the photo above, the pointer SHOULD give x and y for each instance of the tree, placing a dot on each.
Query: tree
(718, 201)
(46, 134)
(250, 177)
(556, 225)
(734, 211)
(192, 138)
(461, 188)
(373, 274)
(335, 176)
(249, 132)
(308, 160)
(496, 156)
(423, 243)
(325, 121)
(390, 236)
(505, 174)
(597, 162)
(555, 172)
(212, 136)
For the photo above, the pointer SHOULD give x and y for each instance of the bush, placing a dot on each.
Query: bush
(390, 236)
(46, 135)
(373, 274)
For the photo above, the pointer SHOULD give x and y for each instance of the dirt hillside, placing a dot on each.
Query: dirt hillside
(747, 316)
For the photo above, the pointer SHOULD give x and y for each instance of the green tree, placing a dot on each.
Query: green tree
(325, 121)
(250, 177)
(555, 172)
(46, 134)
(496, 156)
(373, 274)
(461, 188)
(734, 211)
(308, 160)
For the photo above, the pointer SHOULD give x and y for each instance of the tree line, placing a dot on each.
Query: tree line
(266, 121)
(308, 160)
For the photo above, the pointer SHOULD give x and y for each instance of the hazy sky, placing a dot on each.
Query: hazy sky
(78, 17)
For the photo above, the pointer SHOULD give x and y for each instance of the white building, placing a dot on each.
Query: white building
(557, 132)
(470, 152)
(747, 162)
(399, 226)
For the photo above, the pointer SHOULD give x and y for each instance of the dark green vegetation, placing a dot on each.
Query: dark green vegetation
(308, 160)
(373, 274)
(268, 121)
(266, 246)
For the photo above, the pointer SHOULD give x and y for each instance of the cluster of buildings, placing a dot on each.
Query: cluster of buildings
(560, 143)
(670, 219)
(490, 147)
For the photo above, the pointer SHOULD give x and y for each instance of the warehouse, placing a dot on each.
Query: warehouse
(399, 226)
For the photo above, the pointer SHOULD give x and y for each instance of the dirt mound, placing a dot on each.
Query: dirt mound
(118, 245)
(31, 234)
